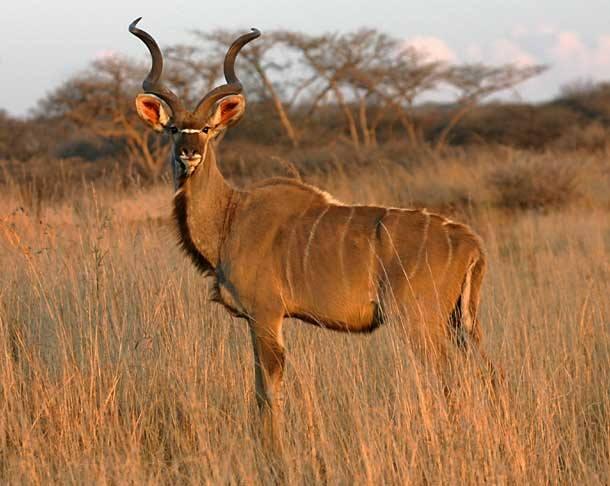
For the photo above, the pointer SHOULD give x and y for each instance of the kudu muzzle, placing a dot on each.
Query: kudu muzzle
(189, 151)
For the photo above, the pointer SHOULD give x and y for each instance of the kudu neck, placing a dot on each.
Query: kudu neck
(207, 199)
(207, 182)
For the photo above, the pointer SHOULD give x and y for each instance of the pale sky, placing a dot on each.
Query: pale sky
(42, 43)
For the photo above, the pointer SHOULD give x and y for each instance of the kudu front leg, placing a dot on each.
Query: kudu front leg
(269, 359)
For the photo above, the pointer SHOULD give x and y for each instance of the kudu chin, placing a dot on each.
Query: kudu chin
(283, 249)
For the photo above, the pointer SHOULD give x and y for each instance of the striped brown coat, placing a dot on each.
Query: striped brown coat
(283, 248)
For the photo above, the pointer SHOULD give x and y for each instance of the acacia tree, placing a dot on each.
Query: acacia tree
(370, 75)
(397, 81)
(409, 77)
(475, 82)
(265, 62)
(100, 101)
(320, 55)
(191, 72)
(366, 54)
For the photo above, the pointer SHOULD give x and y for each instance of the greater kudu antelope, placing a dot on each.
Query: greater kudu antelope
(283, 248)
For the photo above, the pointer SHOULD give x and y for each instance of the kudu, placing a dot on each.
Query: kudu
(283, 248)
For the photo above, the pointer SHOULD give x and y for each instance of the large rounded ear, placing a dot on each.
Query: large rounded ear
(153, 110)
(228, 111)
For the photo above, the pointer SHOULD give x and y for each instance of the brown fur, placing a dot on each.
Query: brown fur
(283, 248)
(184, 234)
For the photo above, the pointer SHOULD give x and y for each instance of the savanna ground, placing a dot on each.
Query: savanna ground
(114, 368)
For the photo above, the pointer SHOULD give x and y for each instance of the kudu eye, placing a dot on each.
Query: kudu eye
(173, 129)
(205, 129)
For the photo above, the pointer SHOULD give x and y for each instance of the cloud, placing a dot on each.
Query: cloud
(570, 52)
(602, 54)
(500, 51)
(474, 53)
(568, 45)
(435, 48)
(505, 51)
(569, 55)
(106, 54)
(544, 29)
(519, 31)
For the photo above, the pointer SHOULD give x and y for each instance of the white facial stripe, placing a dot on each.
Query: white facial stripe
(205, 150)
(191, 130)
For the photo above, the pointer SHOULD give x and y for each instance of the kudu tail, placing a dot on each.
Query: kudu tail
(464, 324)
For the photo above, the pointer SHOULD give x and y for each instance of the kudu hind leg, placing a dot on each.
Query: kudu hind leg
(269, 361)
(425, 336)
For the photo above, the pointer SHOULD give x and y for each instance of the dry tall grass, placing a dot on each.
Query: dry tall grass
(114, 368)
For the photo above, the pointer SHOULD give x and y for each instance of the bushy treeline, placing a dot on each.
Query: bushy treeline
(361, 89)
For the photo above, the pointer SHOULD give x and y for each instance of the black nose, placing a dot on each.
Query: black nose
(189, 153)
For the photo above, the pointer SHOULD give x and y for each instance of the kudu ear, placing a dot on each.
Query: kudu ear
(228, 111)
(153, 110)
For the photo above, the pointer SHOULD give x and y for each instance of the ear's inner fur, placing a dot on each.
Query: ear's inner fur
(153, 110)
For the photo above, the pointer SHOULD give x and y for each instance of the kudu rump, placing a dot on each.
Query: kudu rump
(283, 248)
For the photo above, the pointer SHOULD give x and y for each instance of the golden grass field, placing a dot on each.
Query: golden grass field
(115, 369)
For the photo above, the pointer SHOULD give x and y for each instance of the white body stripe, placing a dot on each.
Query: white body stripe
(312, 234)
(342, 247)
(450, 251)
(465, 299)
(422, 246)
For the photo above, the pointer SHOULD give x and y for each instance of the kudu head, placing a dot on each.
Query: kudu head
(191, 132)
